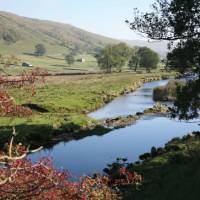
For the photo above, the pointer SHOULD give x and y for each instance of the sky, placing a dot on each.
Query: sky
(105, 17)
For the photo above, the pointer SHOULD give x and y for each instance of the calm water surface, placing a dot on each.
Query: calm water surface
(131, 103)
(92, 154)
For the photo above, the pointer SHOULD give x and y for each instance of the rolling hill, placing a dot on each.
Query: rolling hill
(20, 35)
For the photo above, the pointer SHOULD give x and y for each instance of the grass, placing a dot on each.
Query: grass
(55, 63)
(67, 100)
(173, 174)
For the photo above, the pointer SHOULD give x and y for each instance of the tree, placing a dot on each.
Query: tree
(148, 59)
(122, 54)
(177, 20)
(40, 50)
(113, 57)
(134, 61)
(69, 59)
(105, 59)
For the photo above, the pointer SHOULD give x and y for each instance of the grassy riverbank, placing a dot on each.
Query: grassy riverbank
(171, 172)
(62, 103)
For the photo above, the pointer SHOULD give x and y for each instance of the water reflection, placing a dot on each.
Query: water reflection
(92, 154)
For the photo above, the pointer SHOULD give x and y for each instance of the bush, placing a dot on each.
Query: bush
(172, 148)
(165, 77)
(145, 156)
(179, 158)
(10, 36)
(168, 92)
(154, 152)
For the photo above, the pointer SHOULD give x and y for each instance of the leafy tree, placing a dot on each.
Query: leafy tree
(69, 59)
(177, 20)
(134, 62)
(105, 59)
(40, 50)
(113, 57)
(122, 54)
(148, 59)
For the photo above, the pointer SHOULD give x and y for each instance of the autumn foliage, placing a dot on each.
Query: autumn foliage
(8, 107)
(42, 181)
(22, 179)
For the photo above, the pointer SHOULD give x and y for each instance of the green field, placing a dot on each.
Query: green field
(55, 63)
(67, 100)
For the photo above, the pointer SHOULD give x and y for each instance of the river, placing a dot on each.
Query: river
(92, 154)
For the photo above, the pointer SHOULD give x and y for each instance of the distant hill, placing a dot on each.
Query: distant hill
(20, 35)
(159, 46)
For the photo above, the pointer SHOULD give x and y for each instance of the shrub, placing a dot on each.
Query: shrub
(10, 36)
(145, 156)
(179, 158)
(40, 180)
(172, 148)
(168, 92)
(154, 152)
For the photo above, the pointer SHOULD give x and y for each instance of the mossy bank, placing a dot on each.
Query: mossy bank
(171, 172)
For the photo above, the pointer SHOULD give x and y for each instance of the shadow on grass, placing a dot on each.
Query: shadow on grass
(35, 107)
(29, 54)
(33, 135)
(46, 135)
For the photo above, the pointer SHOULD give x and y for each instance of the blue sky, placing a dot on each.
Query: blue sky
(104, 17)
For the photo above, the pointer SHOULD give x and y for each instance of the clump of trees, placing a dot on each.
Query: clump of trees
(40, 50)
(175, 20)
(148, 59)
(134, 61)
(115, 57)
(145, 58)
(70, 60)
(10, 36)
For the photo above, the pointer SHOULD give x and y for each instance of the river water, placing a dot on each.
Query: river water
(92, 154)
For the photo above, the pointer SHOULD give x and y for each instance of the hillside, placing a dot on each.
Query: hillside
(20, 34)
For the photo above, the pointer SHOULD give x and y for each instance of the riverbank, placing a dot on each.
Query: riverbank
(62, 104)
(169, 91)
(171, 172)
(121, 122)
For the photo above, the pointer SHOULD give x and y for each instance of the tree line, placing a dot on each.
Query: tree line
(116, 57)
